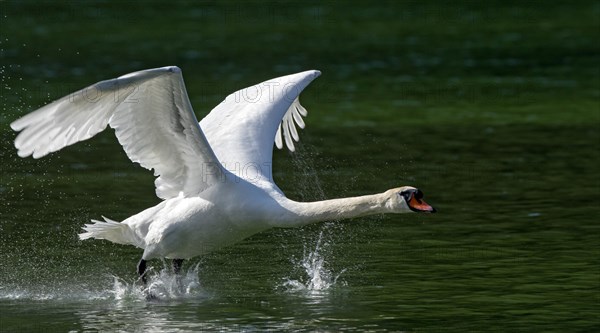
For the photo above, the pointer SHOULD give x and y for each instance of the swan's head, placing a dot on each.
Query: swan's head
(408, 199)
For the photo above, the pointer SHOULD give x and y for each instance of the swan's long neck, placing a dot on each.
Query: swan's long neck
(301, 213)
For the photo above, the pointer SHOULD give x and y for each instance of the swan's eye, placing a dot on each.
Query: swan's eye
(406, 194)
(412, 193)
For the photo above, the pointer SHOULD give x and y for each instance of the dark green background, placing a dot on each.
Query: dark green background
(491, 108)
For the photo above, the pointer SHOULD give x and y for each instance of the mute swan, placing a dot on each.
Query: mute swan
(214, 176)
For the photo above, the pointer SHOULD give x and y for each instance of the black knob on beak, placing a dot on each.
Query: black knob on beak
(418, 195)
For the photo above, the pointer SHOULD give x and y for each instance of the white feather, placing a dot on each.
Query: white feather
(153, 120)
(241, 130)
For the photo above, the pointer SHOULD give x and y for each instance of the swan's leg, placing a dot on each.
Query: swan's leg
(141, 269)
(177, 263)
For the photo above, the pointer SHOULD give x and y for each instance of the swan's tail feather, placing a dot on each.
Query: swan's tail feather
(113, 231)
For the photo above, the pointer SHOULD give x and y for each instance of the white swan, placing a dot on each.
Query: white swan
(214, 176)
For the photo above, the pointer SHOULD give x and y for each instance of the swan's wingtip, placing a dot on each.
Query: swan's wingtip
(312, 73)
(173, 69)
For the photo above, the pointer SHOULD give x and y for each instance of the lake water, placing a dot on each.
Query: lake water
(514, 244)
(495, 117)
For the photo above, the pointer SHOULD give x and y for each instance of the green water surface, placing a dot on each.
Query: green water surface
(491, 108)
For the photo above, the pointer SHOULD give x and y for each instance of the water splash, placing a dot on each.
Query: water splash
(162, 285)
(167, 285)
(318, 277)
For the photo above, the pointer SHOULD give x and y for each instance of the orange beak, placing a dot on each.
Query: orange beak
(419, 205)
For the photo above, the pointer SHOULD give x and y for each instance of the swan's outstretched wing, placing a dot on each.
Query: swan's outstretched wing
(241, 130)
(153, 120)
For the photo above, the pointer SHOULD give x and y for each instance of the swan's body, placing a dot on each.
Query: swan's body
(214, 176)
